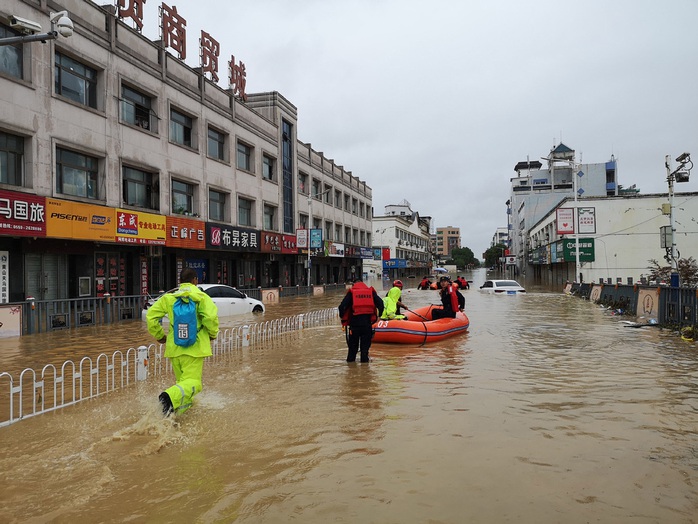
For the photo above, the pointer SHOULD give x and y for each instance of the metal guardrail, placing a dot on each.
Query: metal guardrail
(35, 393)
(678, 306)
(40, 316)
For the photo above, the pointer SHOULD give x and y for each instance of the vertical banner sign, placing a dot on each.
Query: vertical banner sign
(565, 220)
(4, 277)
(587, 220)
(113, 274)
(316, 238)
(100, 274)
(144, 275)
(302, 238)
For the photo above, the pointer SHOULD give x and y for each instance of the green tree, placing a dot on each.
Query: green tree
(463, 257)
(493, 254)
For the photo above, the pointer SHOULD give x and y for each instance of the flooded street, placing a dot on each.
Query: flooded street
(548, 410)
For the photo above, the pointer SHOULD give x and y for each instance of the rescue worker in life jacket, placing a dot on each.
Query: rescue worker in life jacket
(392, 303)
(425, 283)
(451, 298)
(358, 312)
(462, 283)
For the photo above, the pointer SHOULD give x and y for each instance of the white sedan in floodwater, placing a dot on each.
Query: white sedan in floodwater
(229, 300)
(502, 287)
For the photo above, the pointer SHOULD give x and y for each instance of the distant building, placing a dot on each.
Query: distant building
(618, 236)
(447, 238)
(501, 236)
(401, 244)
(536, 190)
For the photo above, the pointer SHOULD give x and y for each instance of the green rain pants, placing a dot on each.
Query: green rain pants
(188, 371)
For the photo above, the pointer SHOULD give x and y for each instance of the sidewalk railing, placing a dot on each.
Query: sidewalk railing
(674, 307)
(34, 393)
(41, 316)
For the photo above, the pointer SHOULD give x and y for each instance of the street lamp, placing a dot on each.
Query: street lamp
(680, 174)
(60, 24)
(310, 220)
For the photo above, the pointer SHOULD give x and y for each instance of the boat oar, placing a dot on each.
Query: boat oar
(420, 316)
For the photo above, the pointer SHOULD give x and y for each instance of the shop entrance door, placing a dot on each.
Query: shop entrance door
(46, 276)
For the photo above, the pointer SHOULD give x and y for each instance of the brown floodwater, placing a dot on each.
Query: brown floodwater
(549, 410)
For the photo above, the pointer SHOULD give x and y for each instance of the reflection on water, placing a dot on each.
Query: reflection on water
(548, 410)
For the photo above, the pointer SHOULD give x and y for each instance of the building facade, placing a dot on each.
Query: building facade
(447, 238)
(120, 165)
(617, 238)
(401, 244)
(535, 191)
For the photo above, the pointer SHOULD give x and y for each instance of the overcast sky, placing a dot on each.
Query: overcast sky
(435, 102)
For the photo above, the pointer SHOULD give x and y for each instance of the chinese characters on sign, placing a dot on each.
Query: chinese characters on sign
(271, 242)
(22, 214)
(237, 78)
(4, 277)
(288, 245)
(173, 33)
(232, 238)
(132, 9)
(140, 228)
(302, 238)
(565, 221)
(186, 232)
(210, 51)
(144, 275)
(587, 220)
(174, 30)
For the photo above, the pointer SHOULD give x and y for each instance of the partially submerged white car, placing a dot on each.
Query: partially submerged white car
(502, 287)
(229, 300)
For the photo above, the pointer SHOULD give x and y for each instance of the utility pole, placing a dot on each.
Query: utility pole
(680, 174)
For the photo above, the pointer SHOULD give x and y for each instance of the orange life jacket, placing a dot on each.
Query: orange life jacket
(362, 300)
(454, 298)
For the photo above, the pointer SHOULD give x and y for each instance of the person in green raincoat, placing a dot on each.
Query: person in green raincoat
(187, 362)
(392, 303)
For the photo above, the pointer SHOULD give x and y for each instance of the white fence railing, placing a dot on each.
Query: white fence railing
(55, 388)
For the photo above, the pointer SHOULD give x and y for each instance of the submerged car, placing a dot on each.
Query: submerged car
(503, 287)
(229, 300)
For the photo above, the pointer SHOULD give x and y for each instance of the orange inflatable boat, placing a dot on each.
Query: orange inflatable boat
(419, 328)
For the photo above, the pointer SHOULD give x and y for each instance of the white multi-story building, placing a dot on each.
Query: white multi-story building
(618, 236)
(501, 236)
(537, 190)
(120, 164)
(401, 244)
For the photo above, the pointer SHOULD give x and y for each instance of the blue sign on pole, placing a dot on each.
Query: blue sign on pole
(316, 238)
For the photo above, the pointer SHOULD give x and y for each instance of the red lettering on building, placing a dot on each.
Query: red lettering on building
(132, 9)
(174, 30)
(237, 78)
(210, 51)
